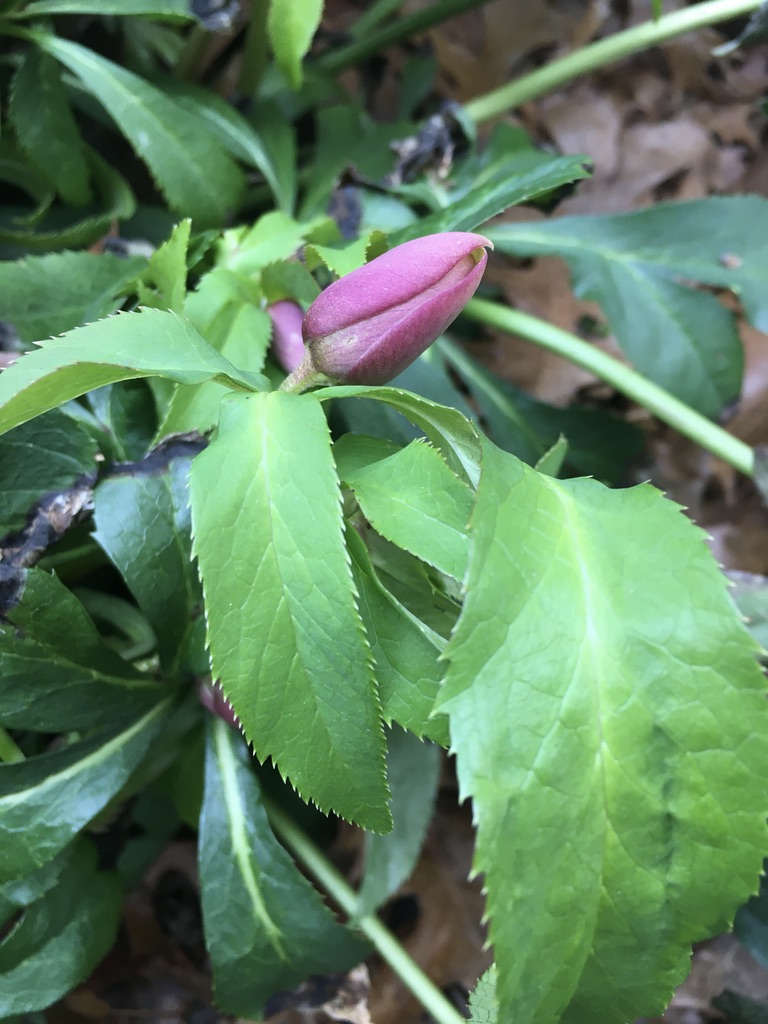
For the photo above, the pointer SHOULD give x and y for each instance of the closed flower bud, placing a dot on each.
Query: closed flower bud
(368, 326)
(287, 341)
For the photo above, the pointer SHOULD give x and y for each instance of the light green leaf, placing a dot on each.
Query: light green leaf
(291, 29)
(551, 462)
(406, 652)
(274, 236)
(46, 129)
(447, 429)
(413, 773)
(45, 295)
(266, 927)
(632, 264)
(414, 500)
(56, 673)
(609, 720)
(46, 800)
(143, 524)
(145, 344)
(196, 175)
(164, 282)
(285, 636)
(483, 1003)
(59, 939)
(47, 456)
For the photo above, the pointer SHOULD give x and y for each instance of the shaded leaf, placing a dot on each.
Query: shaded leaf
(609, 721)
(155, 8)
(266, 927)
(285, 636)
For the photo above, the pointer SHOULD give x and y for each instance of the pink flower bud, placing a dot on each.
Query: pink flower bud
(287, 342)
(368, 326)
(212, 698)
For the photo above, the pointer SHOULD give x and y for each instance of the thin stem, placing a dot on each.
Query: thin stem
(641, 390)
(255, 51)
(430, 997)
(194, 46)
(373, 16)
(401, 28)
(604, 51)
(9, 751)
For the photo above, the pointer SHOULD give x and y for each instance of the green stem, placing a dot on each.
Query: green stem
(9, 751)
(604, 51)
(255, 51)
(430, 997)
(401, 28)
(194, 47)
(641, 390)
(373, 16)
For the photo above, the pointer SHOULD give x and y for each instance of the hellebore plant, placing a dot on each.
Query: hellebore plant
(369, 326)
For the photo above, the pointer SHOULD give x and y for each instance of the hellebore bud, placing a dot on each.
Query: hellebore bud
(368, 326)
(287, 341)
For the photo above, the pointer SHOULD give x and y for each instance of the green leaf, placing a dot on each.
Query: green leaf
(551, 462)
(145, 344)
(449, 431)
(266, 927)
(608, 717)
(56, 673)
(414, 500)
(750, 592)
(153, 8)
(405, 651)
(632, 265)
(483, 1003)
(285, 636)
(45, 295)
(46, 129)
(59, 939)
(291, 29)
(195, 175)
(522, 177)
(46, 800)
(47, 456)
(413, 773)
(164, 282)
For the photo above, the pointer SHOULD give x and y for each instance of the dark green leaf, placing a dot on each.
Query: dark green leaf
(751, 925)
(266, 927)
(46, 800)
(46, 129)
(285, 636)
(196, 175)
(129, 345)
(59, 939)
(608, 717)
(413, 772)
(154, 8)
(143, 523)
(56, 674)
(46, 295)
(48, 455)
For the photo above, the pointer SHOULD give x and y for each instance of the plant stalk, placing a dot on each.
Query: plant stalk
(400, 28)
(631, 383)
(430, 997)
(604, 51)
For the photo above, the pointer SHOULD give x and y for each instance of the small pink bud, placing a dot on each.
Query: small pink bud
(287, 341)
(212, 698)
(368, 326)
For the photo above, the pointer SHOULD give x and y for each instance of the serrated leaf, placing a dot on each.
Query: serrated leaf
(291, 29)
(145, 344)
(164, 282)
(609, 721)
(46, 129)
(196, 176)
(266, 927)
(46, 800)
(285, 636)
(45, 295)
(632, 265)
(47, 456)
(274, 236)
(483, 1003)
(56, 673)
(414, 500)
(405, 651)
(59, 939)
(447, 429)
(143, 524)
(522, 177)
(413, 773)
